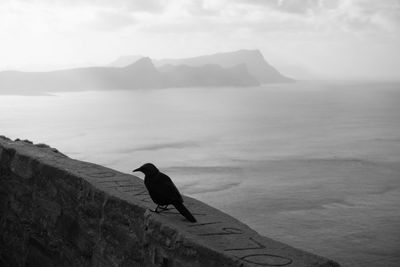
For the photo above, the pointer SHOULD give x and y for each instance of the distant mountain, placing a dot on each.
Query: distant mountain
(241, 68)
(124, 61)
(253, 59)
(206, 75)
(140, 74)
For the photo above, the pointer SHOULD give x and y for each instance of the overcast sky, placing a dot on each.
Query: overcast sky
(331, 38)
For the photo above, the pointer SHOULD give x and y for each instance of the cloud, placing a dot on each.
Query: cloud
(285, 16)
(151, 6)
(99, 30)
(110, 20)
(289, 6)
(361, 14)
(355, 15)
(213, 15)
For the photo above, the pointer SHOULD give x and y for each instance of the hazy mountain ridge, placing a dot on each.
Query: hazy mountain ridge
(141, 74)
(240, 69)
(255, 62)
(253, 59)
(124, 61)
(207, 75)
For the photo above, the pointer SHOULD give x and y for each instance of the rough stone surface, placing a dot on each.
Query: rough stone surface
(56, 211)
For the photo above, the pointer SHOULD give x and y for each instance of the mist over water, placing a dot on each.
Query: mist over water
(312, 164)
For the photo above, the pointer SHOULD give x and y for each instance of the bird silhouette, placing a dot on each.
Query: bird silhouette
(163, 191)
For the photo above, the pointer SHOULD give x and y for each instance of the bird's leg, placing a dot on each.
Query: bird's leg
(156, 210)
(165, 207)
(160, 208)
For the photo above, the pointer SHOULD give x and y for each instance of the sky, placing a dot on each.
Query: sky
(334, 39)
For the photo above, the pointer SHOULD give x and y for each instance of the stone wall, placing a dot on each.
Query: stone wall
(56, 211)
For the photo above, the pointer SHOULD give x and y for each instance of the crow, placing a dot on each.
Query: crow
(163, 191)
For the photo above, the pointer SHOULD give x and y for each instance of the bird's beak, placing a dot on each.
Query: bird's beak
(137, 170)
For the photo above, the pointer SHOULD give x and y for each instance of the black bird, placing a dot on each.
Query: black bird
(162, 190)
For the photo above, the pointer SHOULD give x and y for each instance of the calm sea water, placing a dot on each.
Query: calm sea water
(313, 164)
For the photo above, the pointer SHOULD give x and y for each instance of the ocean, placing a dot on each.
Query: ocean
(312, 164)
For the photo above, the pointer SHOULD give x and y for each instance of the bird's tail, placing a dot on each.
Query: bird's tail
(184, 211)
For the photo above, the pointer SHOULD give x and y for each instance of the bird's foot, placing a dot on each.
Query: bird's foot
(159, 208)
(155, 210)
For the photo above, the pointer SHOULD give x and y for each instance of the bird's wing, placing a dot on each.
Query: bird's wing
(168, 189)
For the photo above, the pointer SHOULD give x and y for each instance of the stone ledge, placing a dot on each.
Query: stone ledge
(73, 212)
